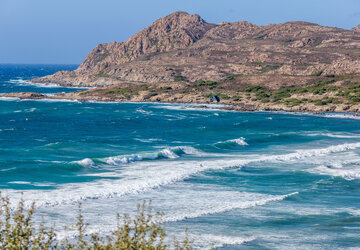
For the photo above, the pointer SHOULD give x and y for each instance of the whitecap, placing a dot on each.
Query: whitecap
(203, 240)
(87, 162)
(337, 170)
(19, 182)
(145, 176)
(239, 141)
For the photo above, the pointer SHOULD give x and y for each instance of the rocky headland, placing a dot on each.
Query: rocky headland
(293, 66)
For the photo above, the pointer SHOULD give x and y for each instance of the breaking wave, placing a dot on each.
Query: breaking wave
(337, 170)
(167, 153)
(145, 176)
(239, 141)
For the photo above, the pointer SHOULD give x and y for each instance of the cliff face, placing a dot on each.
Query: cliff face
(176, 31)
(356, 28)
(182, 47)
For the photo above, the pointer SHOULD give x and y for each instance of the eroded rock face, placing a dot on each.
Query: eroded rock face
(356, 28)
(182, 47)
(178, 30)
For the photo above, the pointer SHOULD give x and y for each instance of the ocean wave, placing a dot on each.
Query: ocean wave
(167, 153)
(305, 153)
(337, 170)
(23, 82)
(53, 100)
(239, 141)
(148, 140)
(211, 241)
(194, 107)
(220, 202)
(3, 98)
(20, 182)
(334, 135)
(145, 176)
(87, 162)
(342, 116)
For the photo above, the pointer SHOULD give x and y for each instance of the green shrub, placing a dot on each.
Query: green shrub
(326, 100)
(206, 83)
(231, 77)
(280, 94)
(151, 94)
(293, 102)
(179, 78)
(143, 87)
(121, 91)
(317, 73)
(102, 74)
(144, 231)
(286, 42)
(268, 68)
(253, 88)
(223, 96)
(316, 43)
(236, 98)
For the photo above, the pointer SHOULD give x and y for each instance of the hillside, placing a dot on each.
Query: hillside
(182, 58)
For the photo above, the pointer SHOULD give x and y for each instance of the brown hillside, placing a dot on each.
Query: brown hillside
(184, 47)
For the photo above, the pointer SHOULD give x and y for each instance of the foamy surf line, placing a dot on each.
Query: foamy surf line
(3, 98)
(23, 82)
(166, 153)
(223, 205)
(140, 178)
(239, 141)
(193, 200)
(337, 171)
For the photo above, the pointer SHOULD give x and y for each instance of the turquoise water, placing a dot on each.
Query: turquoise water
(240, 180)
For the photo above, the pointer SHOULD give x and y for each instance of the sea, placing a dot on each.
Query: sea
(235, 180)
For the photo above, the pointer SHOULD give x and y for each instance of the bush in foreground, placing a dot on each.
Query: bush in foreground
(144, 231)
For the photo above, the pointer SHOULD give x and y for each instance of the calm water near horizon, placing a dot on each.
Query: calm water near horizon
(240, 180)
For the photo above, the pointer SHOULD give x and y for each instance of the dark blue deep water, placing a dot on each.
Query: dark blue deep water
(239, 180)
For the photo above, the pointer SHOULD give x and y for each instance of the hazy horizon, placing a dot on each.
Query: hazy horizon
(64, 32)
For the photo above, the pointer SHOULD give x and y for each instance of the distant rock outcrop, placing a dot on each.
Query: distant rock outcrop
(184, 47)
(356, 28)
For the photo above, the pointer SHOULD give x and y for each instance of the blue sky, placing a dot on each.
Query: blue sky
(65, 31)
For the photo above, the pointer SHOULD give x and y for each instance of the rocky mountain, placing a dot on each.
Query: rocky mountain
(185, 48)
(356, 28)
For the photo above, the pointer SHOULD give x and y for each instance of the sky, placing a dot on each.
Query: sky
(65, 31)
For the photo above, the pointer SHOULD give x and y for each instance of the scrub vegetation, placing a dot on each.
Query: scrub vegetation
(144, 231)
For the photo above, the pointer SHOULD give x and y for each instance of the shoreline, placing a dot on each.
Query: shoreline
(28, 96)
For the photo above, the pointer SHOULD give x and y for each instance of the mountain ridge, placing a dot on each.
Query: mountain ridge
(184, 47)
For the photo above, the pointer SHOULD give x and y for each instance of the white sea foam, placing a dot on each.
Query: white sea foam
(85, 162)
(53, 100)
(9, 98)
(206, 203)
(20, 182)
(337, 170)
(179, 202)
(210, 241)
(148, 140)
(342, 116)
(305, 153)
(23, 82)
(240, 141)
(334, 135)
(193, 107)
(169, 153)
(145, 176)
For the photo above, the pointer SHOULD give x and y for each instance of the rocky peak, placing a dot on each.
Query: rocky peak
(175, 31)
(356, 28)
